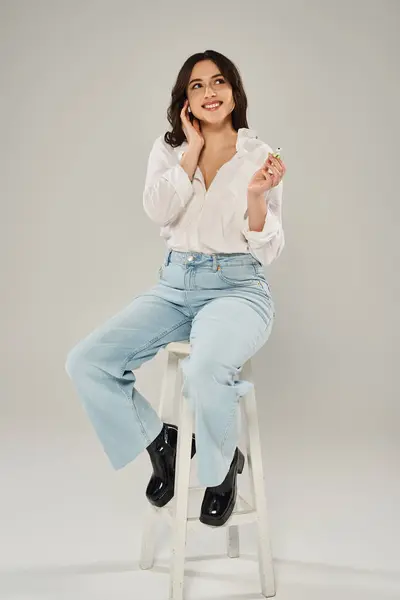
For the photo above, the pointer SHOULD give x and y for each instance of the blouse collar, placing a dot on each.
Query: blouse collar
(242, 145)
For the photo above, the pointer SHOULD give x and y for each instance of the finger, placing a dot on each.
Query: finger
(276, 176)
(271, 167)
(271, 160)
(273, 176)
(277, 162)
(278, 179)
(267, 159)
(266, 173)
(271, 155)
(184, 114)
(277, 166)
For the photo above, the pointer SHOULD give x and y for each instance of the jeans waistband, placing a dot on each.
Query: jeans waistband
(195, 258)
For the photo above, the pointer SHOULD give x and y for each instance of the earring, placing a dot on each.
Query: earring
(189, 109)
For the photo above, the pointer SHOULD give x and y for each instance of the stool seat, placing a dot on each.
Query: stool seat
(182, 512)
(182, 348)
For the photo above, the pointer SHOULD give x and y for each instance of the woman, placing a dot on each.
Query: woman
(215, 190)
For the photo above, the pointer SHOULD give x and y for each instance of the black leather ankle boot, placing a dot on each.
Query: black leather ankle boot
(219, 501)
(162, 451)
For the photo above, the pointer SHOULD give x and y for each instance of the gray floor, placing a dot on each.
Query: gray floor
(71, 528)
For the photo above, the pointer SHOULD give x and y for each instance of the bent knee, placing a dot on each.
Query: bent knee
(199, 371)
(76, 361)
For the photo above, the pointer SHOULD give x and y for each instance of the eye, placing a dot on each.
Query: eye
(219, 79)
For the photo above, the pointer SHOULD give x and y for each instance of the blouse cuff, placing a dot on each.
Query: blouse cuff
(271, 228)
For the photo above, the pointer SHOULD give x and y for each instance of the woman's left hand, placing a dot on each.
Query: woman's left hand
(263, 180)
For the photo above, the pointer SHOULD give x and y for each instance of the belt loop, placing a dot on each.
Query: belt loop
(214, 262)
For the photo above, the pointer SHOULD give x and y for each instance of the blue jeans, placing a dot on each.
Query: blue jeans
(221, 303)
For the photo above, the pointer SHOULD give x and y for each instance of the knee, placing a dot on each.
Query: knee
(76, 361)
(206, 371)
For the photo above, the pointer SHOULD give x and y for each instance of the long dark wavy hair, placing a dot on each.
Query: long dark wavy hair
(178, 94)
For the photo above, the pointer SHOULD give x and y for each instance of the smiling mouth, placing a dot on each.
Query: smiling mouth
(215, 107)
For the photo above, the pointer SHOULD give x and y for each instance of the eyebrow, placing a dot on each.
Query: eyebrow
(217, 75)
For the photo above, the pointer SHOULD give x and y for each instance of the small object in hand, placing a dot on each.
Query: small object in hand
(277, 154)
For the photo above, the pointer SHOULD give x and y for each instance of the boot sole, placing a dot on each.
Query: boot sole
(213, 522)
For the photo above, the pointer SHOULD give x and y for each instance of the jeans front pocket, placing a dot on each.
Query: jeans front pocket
(238, 274)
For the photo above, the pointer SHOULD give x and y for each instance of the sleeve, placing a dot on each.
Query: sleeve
(167, 188)
(266, 245)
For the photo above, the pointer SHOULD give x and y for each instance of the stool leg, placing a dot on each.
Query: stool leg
(232, 535)
(148, 540)
(168, 386)
(182, 480)
(254, 461)
(232, 541)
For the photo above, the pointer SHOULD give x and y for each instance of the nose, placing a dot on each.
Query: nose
(208, 94)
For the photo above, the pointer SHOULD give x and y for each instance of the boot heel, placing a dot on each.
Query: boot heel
(240, 461)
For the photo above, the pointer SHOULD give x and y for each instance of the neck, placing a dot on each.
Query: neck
(218, 136)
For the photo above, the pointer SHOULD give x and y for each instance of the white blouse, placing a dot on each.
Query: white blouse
(212, 221)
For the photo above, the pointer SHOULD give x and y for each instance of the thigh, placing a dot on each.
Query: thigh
(133, 335)
(228, 331)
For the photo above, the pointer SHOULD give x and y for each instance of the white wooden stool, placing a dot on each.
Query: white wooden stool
(176, 511)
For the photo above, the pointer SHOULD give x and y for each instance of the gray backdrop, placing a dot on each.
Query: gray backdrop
(84, 92)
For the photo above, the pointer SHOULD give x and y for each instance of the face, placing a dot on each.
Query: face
(206, 86)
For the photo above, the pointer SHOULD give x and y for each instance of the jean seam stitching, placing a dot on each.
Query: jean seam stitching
(234, 281)
(150, 342)
(130, 356)
(230, 419)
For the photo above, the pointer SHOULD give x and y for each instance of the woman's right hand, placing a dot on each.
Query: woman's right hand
(191, 131)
